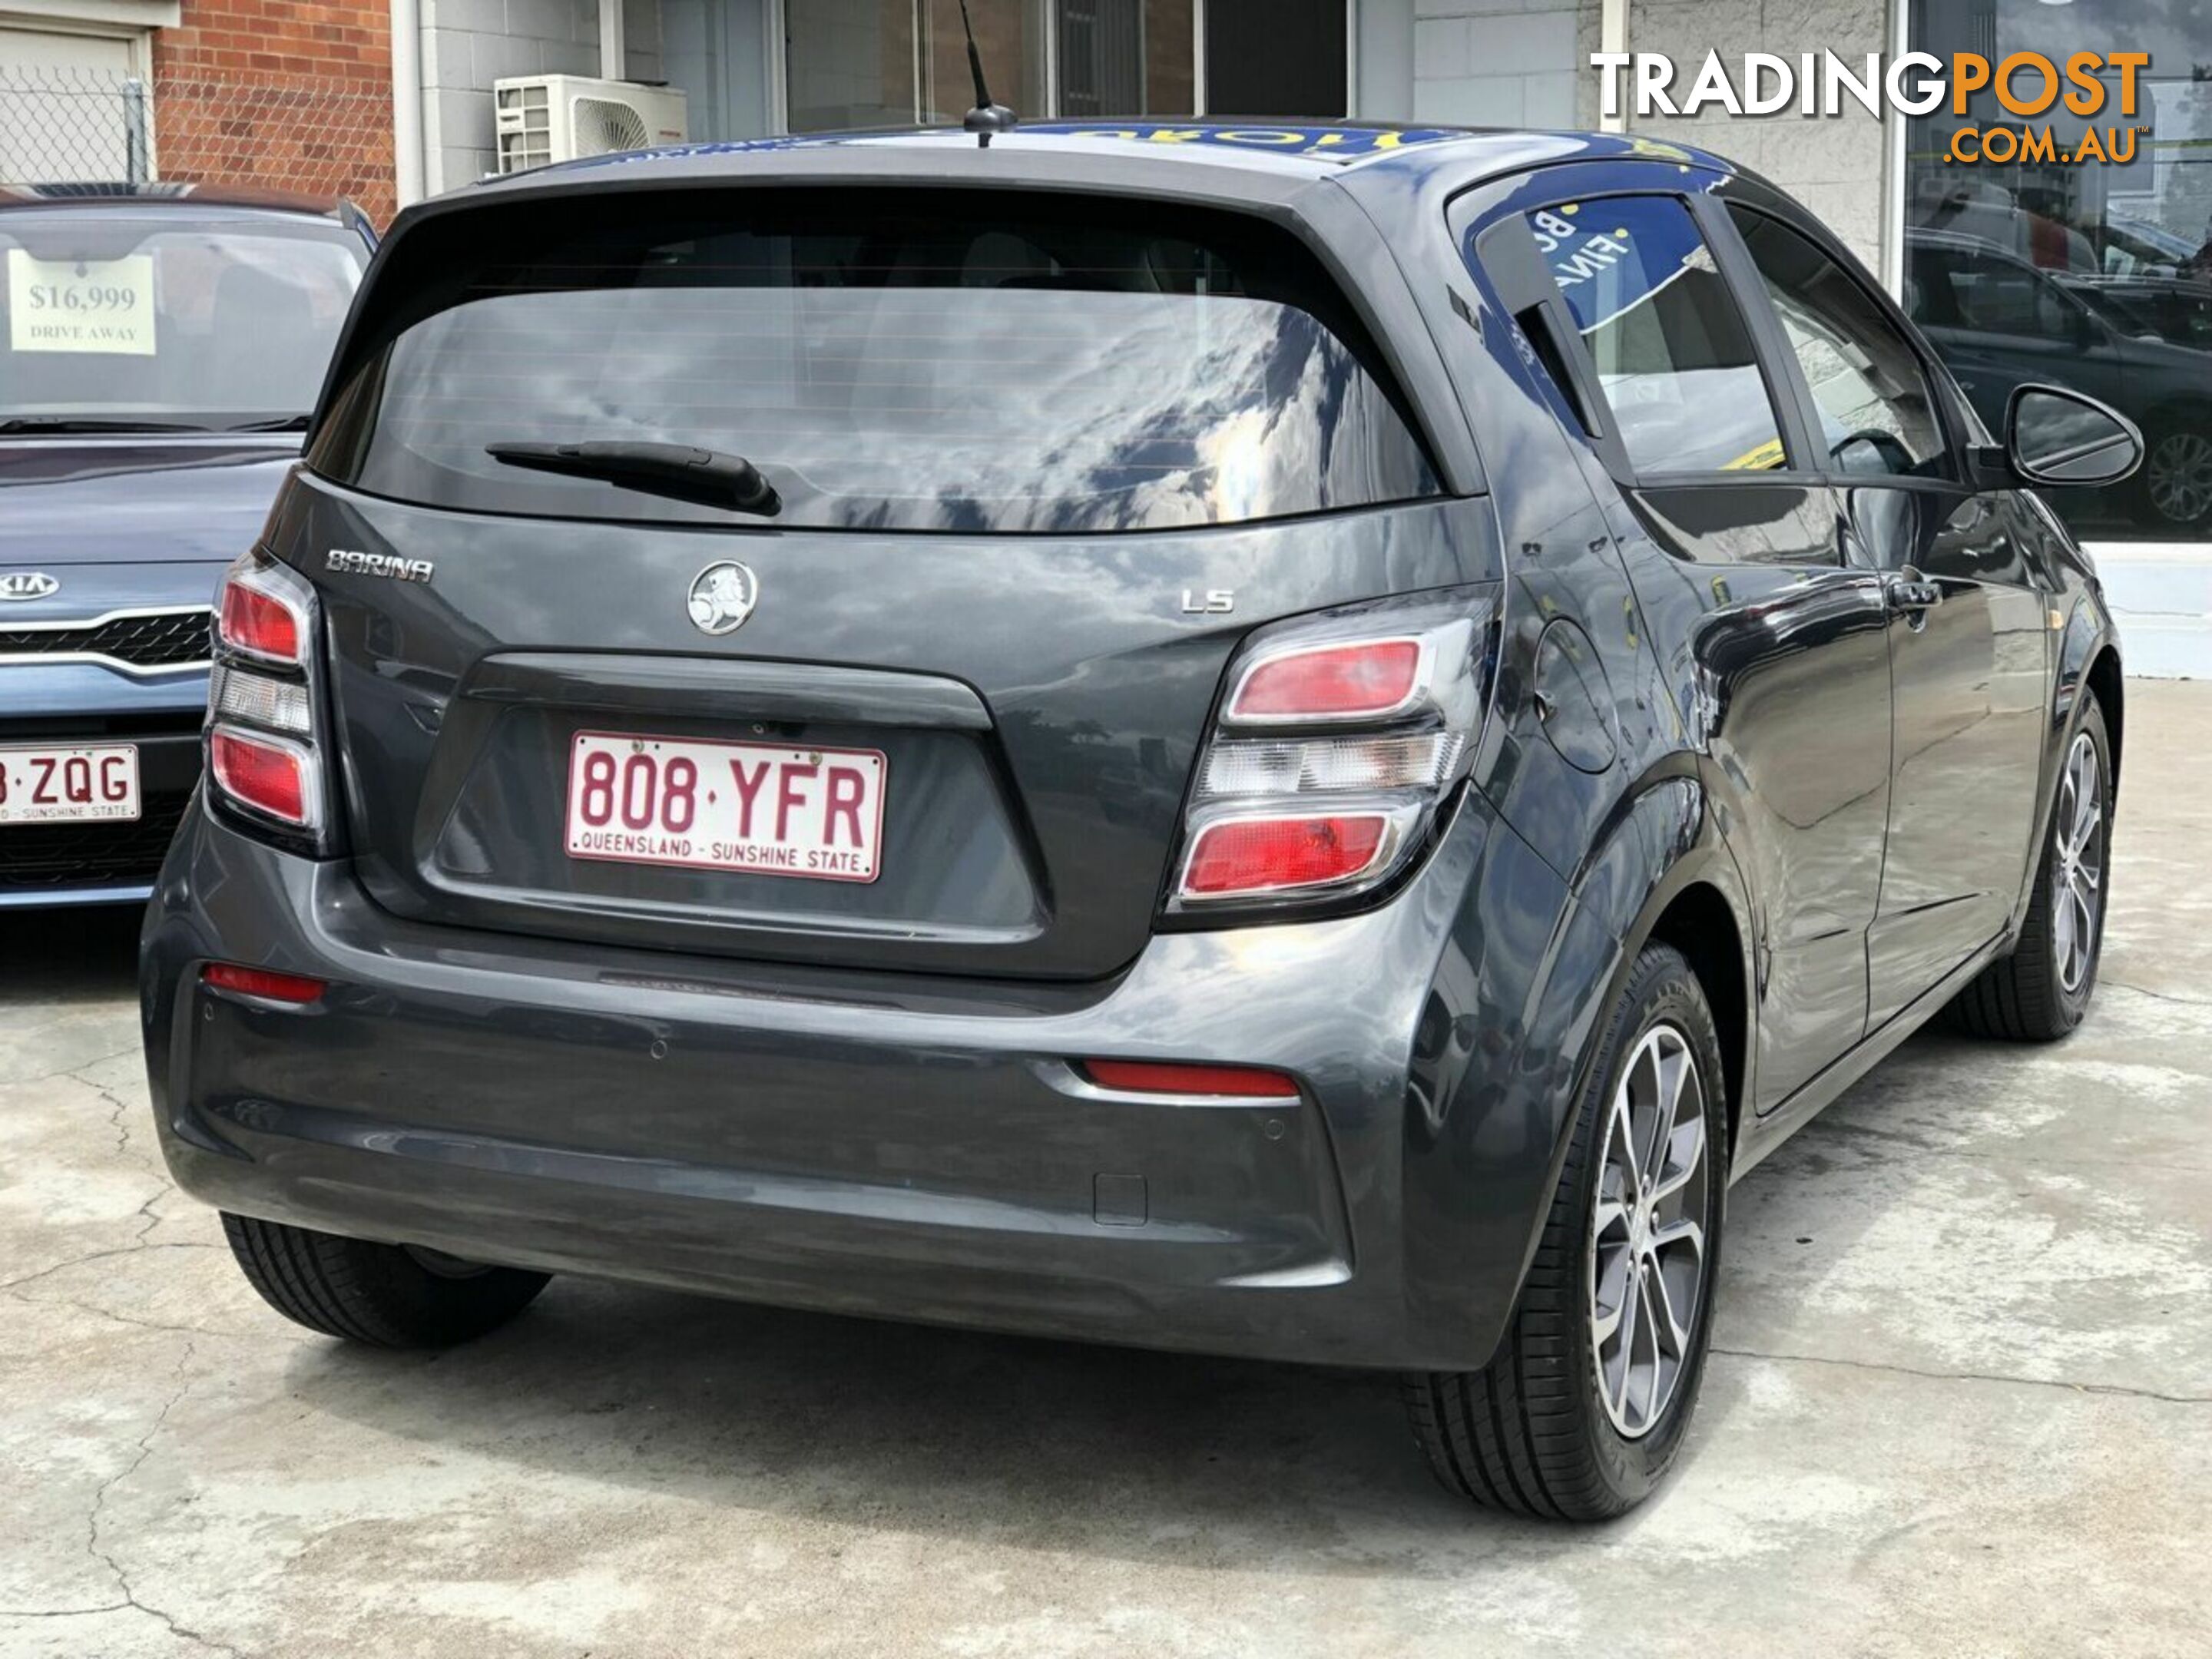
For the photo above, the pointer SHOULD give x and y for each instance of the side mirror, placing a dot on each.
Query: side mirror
(2054, 436)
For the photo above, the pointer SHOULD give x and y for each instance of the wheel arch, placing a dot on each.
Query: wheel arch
(2105, 680)
(1665, 875)
(1698, 922)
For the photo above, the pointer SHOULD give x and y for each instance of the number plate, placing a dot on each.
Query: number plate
(53, 784)
(761, 808)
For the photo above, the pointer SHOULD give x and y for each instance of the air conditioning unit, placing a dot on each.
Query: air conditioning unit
(556, 118)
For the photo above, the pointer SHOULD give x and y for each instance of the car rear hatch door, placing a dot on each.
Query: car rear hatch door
(1038, 470)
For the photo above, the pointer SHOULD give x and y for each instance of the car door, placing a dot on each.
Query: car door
(1967, 637)
(1772, 647)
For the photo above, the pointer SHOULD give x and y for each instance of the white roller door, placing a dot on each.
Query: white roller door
(62, 108)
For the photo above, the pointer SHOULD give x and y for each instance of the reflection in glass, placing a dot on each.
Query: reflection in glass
(1123, 57)
(927, 361)
(1877, 414)
(2092, 276)
(2058, 439)
(850, 65)
(1009, 33)
(1670, 346)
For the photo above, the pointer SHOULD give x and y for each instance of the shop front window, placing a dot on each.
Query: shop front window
(1124, 57)
(1277, 58)
(2096, 275)
(903, 62)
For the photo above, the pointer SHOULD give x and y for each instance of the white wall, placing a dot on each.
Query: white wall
(1832, 166)
(1383, 78)
(1496, 62)
(469, 44)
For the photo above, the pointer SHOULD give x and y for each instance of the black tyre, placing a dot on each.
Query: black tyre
(2042, 989)
(1583, 1407)
(387, 1296)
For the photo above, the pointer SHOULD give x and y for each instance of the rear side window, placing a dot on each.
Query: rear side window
(1669, 345)
(908, 360)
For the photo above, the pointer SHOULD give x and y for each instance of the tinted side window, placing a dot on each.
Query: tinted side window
(1877, 411)
(1671, 350)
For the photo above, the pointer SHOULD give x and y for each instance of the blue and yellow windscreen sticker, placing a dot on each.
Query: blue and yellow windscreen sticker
(1611, 255)
(1323, 143)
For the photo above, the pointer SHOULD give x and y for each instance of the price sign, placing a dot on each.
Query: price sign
(81, 304)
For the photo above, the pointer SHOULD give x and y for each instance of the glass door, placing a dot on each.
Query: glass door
(1278, 57)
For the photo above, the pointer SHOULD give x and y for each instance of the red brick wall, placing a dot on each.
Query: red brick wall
(287, 95)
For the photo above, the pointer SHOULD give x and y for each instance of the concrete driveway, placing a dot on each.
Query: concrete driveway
(1961, 1404)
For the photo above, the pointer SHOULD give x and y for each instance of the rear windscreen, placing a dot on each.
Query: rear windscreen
(911, 361)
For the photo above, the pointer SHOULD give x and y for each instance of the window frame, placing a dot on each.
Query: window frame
(1937, 379)
(1504, 261)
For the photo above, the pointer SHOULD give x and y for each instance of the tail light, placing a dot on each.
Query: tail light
(1367, 679)
(1338, 744)
(276, 778)
(261, 615)
(264, 754)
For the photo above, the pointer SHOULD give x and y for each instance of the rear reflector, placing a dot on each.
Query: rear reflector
(256, 622)
(266, 774)
(1268, 855)
(260, 982)
(1362, 681)
(1138, 1076)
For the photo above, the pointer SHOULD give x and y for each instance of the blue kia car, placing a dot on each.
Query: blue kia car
(160, 348)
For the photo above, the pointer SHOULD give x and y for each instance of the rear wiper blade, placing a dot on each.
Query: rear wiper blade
(81, 423)
(281, 423)
(709, 477)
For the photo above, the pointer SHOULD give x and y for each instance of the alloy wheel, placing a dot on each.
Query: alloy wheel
(1648, 1238)
(2077, 870)
(2178, 475)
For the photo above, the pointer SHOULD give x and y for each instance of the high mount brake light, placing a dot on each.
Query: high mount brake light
(1283, 816)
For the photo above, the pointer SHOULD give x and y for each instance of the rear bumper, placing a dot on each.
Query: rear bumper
(879, 1145)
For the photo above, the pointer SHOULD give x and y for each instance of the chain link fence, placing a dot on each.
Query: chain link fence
(317, 138)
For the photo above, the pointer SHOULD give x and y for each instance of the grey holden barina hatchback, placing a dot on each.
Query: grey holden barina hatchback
(1292, 743)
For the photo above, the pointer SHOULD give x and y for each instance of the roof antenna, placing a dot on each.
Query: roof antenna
(987, 119)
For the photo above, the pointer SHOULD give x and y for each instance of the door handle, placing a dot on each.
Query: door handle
(1912, 594)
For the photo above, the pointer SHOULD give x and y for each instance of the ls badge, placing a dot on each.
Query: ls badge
(1213, 602)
